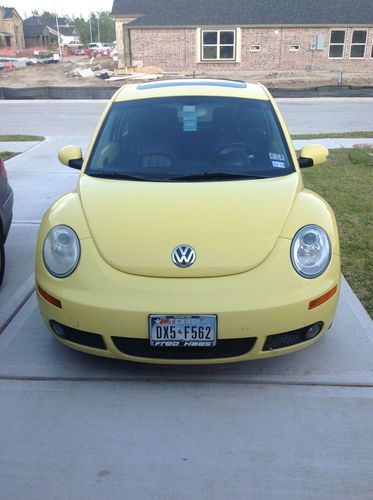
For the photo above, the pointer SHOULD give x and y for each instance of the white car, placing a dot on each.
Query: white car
(74, 44)
(96, 46)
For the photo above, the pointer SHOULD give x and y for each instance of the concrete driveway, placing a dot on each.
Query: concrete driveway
(75, 426)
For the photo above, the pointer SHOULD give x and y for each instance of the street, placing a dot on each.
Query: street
(70, 118)
(77, 426)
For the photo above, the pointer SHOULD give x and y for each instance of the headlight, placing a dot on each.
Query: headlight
(310, 251)
(61, 251)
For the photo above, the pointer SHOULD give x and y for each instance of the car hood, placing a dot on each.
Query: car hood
(233, 226)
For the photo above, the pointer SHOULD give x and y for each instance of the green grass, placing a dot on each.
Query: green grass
(339, 135)
(6, 155)
(346, 182)
(20, 138)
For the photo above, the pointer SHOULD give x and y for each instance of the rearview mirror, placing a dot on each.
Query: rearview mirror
(313, 154)
(71, 156)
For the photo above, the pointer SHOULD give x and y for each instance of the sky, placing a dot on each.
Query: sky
(24, 7)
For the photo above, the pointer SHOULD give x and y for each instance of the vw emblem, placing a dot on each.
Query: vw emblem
(183, 256)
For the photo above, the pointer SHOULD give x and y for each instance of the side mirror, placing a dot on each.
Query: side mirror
(313, 155)
(71, 156)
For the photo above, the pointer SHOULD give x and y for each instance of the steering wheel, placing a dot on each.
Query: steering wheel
(237, 151)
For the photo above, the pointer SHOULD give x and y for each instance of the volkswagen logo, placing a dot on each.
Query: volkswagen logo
(183, 256)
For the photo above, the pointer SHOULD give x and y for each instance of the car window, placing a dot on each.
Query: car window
(191, 136)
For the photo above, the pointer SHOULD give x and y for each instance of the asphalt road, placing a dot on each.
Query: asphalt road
(76, 426)
(51, 118)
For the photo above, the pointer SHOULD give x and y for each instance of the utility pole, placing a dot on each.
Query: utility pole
(98, 27)
(90, 26)
(58, 35)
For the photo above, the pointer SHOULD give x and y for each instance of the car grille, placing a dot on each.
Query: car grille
(223, 349)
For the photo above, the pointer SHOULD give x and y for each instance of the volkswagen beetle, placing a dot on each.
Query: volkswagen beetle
(190, 237)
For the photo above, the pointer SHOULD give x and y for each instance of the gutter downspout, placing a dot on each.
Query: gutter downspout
(127, 47)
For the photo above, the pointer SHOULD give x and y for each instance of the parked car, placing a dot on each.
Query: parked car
(46, 57)
(190, 237)
(74, 44)
(96, 46)
(81, 51)
(6, 213)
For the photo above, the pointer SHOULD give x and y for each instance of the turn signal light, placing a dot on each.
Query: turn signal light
(323, 298)
(52, 300)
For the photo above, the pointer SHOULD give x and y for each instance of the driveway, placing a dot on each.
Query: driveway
(75, 426)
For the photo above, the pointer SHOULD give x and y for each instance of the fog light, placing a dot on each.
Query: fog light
(313, 331)
(58, 330)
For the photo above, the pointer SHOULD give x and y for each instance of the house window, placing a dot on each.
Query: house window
(371, 54)
(218, 45)
(358, 44)
(294, 48)
(337, 44)
(255, 48)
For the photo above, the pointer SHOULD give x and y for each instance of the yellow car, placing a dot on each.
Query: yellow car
(190, 237)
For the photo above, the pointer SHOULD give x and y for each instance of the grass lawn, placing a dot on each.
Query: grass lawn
(346, 182)
(20, 138)
(339, 135)
(6, 155)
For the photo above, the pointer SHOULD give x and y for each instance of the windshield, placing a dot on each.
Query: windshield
(190, 138)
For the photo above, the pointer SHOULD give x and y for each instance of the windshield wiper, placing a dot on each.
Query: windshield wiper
(121, 176)
(216, 175)
(203, 176)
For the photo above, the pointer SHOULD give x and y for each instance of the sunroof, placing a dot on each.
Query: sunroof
(192, 83)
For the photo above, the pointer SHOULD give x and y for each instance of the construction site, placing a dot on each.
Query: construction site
(38, 67)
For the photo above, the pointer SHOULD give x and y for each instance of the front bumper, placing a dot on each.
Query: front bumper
(270, 299)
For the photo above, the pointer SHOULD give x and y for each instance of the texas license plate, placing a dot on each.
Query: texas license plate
(182, 331)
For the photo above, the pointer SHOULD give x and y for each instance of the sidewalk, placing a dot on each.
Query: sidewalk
(17, 146)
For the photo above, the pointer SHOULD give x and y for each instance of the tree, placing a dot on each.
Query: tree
(82, 27)
(103, 28)
(48, 14)
(107, 27)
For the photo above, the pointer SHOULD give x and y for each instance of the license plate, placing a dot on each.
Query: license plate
(182, 331)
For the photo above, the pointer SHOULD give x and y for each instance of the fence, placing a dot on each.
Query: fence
(89, 93)
(45, 93)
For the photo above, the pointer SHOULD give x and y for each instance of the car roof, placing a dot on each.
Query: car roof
(192, 86)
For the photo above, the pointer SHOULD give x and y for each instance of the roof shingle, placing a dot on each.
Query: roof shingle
(245, 12)
(9, 12)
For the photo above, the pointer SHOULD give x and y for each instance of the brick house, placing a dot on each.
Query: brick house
(11, 29)
(42, 31)
(245, 35)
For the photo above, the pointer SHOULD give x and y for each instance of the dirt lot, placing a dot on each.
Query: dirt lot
(53, 75)
(58, 75)
(298, 79)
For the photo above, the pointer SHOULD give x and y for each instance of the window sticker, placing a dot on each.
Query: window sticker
(276, 156)
(278, 164)
(190, 123)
